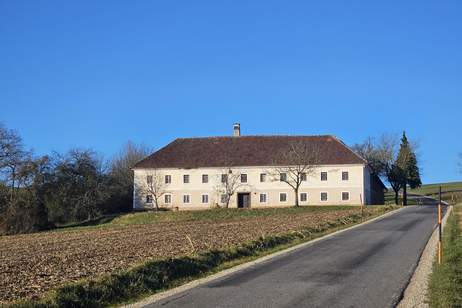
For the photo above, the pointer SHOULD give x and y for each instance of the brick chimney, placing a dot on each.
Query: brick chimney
(236, 129)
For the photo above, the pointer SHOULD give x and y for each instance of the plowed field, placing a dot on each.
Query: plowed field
(32, 264)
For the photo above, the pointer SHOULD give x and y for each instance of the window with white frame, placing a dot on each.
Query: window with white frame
(345, 176)
(168, 199)
(224, 198)
(303, 176)
(186, 178)
(243, 178)
(282, 197)
(148, 198)
(186, 198)
(323, 176)
(168, 179)
(205, 178)
(149, 179)
(262, 177)
(345, 196)
(283, 177)
(205, 198)
(224, 178)
(263, 197)
(323, 196)
(303, 197)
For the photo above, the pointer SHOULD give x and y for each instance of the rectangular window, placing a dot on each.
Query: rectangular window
(282, 197)
(205, 178)
(149, 179)
(205, 198)
(323, 196)
(223, 198)
(243, 178)
(224, 178)
(303, 176)
(345, 176)
(186, 198)
(148, 199)
(345, 196)
(262, 198)
(283, 177)
(262, 177)
(168, 179)
(186, 178)
(303, 197)
(168, 199)
(323, 176)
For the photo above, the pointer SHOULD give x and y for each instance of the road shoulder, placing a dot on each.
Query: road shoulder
(415, 293)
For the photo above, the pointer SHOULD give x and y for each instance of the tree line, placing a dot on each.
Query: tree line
(399, 167)
(40, 192)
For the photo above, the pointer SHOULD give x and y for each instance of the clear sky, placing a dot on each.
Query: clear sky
(98, 73)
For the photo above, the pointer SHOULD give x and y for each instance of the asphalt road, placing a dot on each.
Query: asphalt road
(368, 266)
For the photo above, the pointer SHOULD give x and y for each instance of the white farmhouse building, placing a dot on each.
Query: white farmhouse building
(189, 173)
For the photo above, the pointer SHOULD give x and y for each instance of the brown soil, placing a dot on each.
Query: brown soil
(35, 263)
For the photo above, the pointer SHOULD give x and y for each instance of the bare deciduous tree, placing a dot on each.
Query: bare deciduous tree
(302, 160)
(382, 157)
(155, 186)
(229, 181)
(122, 163)
(378, 154)
(12, 155)
(121, 174)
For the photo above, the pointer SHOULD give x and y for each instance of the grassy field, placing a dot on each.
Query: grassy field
(123, 252)
(445, 287)
(216, 215)
(434, 188)
(451, 192)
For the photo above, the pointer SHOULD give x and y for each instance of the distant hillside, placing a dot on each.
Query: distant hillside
(451, 192)
(429, 189)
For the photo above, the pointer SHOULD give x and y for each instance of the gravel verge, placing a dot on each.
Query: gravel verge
(415, 294)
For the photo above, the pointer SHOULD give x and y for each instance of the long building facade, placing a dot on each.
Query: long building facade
(245, 171)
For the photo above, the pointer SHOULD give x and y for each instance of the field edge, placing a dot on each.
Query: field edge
(152, 277)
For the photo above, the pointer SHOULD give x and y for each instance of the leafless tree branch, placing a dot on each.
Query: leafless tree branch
(229, 181)
(154, 186)
(301, 162)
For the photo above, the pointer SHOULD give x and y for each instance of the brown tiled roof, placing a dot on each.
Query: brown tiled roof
(244, 151)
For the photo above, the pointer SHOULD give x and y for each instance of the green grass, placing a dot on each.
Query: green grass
(154, 276)
(153, 217)
(445, 287)
(451, 192)
(217, 214)
(429, 189)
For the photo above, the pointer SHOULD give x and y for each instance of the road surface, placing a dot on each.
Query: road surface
(368, 266)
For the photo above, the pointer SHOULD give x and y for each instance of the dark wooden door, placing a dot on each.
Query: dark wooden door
(243, 200)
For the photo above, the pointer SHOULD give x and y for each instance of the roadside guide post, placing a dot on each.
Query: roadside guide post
(440, 244)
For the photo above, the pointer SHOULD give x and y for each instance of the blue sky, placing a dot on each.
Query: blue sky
(98, 73)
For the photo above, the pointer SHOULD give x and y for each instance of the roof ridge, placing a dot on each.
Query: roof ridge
(248, 150)
(247, 136)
